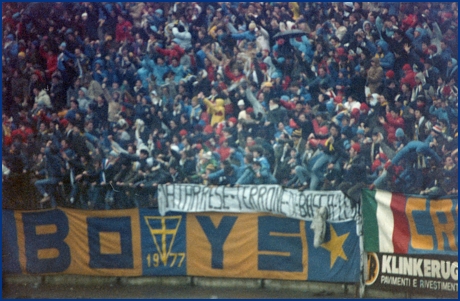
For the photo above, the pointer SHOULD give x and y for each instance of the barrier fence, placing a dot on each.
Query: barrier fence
(397, 241)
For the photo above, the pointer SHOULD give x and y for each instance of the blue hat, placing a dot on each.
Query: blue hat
(399, 133)
(159, 11)
(360, 132)
(284, 97)
(10, 37)
(68, 31)
(153, 28)
(63, 44)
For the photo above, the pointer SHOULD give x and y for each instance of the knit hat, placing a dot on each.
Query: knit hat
(183, 133)
(406, 67)
(297, 133)
(22, 54)
(390, 74)
(437, 129)
(364, 107)
(208, 129)
(433, 48)
(356, 147)
(233, 120)
(252, 26)
(284, 98)
(240, 102)
(360, 132)
(113, 154)
(210, 167)
(399, 133)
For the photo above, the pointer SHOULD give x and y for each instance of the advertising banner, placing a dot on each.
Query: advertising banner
(400, 224)
(254, 198)
(419, 274)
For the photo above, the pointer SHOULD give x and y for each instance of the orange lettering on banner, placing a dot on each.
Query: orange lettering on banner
(110, 242)
(418, 241)
(240, 250)
(48, 253)
(443, 207)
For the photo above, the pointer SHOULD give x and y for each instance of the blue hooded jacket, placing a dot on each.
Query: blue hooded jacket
(387, 58)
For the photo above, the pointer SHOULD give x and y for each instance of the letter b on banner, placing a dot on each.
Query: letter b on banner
(44, 232)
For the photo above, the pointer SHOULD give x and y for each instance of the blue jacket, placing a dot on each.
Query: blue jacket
(387, 58)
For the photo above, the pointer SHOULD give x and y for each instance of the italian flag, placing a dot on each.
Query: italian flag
(385, 224)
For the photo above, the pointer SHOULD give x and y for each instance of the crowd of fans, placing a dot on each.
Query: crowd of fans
(104, 101)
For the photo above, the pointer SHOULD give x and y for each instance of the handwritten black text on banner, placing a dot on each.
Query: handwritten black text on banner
(254, 198)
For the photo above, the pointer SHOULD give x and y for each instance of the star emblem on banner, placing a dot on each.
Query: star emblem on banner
(335, 246)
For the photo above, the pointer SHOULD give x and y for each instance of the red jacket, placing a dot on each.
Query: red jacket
(123, 32)
(175, 52)
(51, 60)
(392, 125)
(23, 134)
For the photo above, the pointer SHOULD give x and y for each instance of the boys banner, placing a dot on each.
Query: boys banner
(254, 198)
(401, 224)
(140, 242)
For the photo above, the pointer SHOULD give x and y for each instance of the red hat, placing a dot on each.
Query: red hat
(183, 132)
(280, 42)
(356, 147)
(355, 113)
(198, 146)
(338, 99)
(364, 107)
(249, 110)
(383, 157)
(407, 67)
(340, 51)
(208, 129)
(233, 119)
(64, 122)
(433, 48)
(390, 74)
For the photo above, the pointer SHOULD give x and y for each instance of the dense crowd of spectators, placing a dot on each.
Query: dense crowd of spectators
(104, 101)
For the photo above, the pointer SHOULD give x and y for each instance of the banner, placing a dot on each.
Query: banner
(400, 224)
(420, 274)
(163, 243)
(141, 242)
(267, 246)
(72, 242)
(254, 198)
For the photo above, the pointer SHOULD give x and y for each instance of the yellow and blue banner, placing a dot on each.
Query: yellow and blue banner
(140, 242)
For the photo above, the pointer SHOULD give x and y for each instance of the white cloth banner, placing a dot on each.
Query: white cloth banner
(254, 198)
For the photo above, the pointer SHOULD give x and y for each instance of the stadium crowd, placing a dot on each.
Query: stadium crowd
(104, 101)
